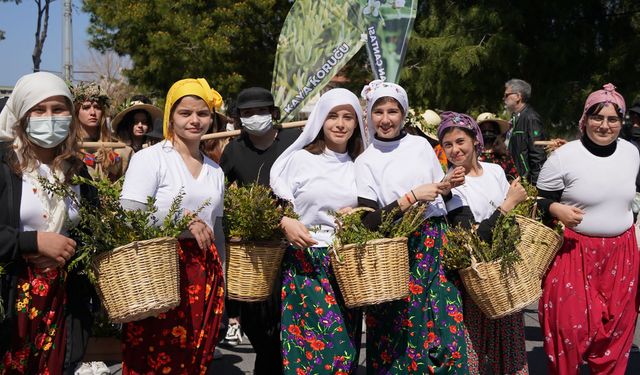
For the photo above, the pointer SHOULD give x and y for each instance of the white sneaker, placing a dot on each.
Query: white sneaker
(93, 368)
(234, 335)
(100, 368)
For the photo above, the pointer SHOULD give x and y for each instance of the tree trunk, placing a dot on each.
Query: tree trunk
(41, 32)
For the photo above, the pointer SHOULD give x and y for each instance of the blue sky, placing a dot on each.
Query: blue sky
(19, 25)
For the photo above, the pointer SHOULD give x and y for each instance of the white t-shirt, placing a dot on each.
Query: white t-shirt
(386, 171)
(33, 215)
(320, 184)
(603, 187)
(483, 194)
(159, 171)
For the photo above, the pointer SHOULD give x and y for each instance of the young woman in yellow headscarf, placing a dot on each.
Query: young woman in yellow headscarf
(182, 340)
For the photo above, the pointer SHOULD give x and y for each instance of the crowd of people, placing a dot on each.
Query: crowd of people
(353, 152)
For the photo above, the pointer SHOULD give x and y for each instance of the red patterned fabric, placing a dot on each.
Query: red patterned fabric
(589, 303)
(182, 340)
(39, 344)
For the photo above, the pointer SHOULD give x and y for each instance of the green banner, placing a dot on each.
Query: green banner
(388, 28)
(317, 39)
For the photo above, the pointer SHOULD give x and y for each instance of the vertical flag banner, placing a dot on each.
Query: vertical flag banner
(317, 39)
(388, 28)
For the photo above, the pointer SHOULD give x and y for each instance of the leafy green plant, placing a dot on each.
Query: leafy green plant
(253, 213)
(462, 243)
(351, 230)
(109, 225)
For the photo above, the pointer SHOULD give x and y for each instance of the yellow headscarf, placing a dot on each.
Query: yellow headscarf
(189, 86)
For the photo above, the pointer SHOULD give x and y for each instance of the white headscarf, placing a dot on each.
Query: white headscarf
(377, 89)
(328, 101)
(30, 90)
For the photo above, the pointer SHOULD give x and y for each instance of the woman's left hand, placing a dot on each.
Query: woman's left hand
(201, 232)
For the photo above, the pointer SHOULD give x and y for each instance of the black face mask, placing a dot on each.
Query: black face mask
(489, 138)
(635, 133)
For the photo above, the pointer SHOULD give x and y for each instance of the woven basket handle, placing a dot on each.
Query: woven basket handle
(534, 209)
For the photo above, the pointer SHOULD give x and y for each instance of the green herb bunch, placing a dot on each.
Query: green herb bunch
(526, 208)
(253, 213)
(351, 230)
(109, 225)
(463, 242)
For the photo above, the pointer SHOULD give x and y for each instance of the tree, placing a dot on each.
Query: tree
(461, 54)
(107, 70)
(2, 33)
(230, 43)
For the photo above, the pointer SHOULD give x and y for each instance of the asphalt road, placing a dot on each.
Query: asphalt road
(239, 360)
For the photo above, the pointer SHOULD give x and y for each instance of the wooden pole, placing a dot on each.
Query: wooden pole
(206, 137)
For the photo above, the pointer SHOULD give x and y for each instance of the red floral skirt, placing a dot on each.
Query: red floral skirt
(38, 345)
(182, 340)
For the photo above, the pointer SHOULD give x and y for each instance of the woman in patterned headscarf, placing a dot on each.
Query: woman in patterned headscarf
(182, 340)
(423, 333)
(495, 346)
(589, 302)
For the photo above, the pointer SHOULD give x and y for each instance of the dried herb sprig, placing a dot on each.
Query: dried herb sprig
(253, 213)
(351, 230)
(109, 225)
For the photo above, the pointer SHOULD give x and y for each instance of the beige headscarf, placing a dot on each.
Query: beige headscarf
(30, 90)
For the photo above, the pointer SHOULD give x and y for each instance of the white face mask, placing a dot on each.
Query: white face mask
(257, 124)
(48, 132)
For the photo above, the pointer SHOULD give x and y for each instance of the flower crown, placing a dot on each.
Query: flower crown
(90, 91)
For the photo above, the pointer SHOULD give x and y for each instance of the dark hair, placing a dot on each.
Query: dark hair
(469, 132)
(354, 144)
(388, 99)
(66, 153)
(596, 108)
(125, 129)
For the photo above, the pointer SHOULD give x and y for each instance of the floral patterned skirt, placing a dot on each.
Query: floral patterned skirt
(495, 346)
(182, 340)
(38, 346)
(319, 334)
(424, 333)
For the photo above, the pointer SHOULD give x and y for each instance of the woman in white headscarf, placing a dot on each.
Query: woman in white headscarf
(319, 334)
(423, 333)
(38, 140)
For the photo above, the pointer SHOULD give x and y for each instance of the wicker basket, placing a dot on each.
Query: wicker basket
(373, 274)
(252, 268)
(538, 244)
(139, 280)
(497, 295)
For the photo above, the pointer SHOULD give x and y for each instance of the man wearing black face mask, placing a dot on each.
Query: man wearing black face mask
(244, 160)
(495, 150)
(631, 132)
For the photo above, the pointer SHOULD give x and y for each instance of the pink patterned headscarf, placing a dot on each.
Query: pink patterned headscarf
(460, 120)
(608, 94)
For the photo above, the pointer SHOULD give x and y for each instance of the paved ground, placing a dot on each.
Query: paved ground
(239, 360)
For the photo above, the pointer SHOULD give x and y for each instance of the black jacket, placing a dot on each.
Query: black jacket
(527, 158)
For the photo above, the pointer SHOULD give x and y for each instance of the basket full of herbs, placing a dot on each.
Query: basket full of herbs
(503, 275)
(255, 247)
(372, 266)
(129, 255)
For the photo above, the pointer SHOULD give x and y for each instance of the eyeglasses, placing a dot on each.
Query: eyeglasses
(612, 121)
(507, 94)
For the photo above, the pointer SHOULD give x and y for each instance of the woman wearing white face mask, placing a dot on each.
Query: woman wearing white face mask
(247, 159)
(38, 140)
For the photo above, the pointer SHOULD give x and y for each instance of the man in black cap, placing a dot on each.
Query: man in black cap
(244, 160)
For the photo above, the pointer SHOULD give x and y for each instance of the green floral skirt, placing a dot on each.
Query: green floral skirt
(319, 335)
(424, 333)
